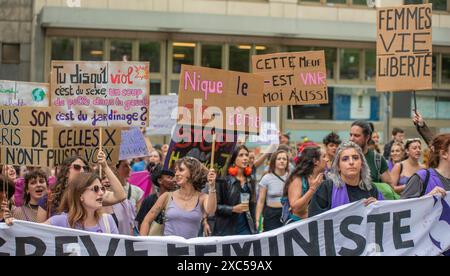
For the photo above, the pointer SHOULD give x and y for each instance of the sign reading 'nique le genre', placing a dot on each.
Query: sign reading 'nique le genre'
(219, 99)
(100, 94)
(404, 48)
(292, 78)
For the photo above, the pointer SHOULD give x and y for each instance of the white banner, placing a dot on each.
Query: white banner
(403, 227)
(14, 93)
(161, 120)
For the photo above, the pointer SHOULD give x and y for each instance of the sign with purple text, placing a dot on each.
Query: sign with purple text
(219, 99)
(292, 78)
(15, 93)
(100, 94)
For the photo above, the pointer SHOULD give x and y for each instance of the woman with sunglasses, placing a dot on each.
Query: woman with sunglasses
(81, 206)
(35, 188)
(186, 206)
(402, 171)
(69, 169)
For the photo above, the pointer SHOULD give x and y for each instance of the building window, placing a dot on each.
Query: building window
(121, 50)
(331, 61)
(10, 53)
(212, 56)
(438, 5)
(370, 60)
(349, 64)
(92, 49)
(434, 66)
(265, 50)
(336, 1)
(446, 68)
(183, 53)
(356, 104)
(62, 49)
(174, 85)
(360, 2)
(155, 87)
(151, 51)
(298, 48)
(240, 58)
(313, 112)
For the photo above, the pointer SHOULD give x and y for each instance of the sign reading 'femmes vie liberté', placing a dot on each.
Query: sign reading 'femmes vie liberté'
(100, 94)
(404, 48)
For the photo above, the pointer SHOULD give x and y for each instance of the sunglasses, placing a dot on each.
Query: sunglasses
(97, 188)
(79, 167)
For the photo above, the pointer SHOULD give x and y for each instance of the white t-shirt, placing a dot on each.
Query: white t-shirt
(274, 187)
(136, 194)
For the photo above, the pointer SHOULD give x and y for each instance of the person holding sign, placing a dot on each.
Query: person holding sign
(69, 169)
(236, 197)
(186, 206)
(36, 184)
(349, 181)
(81, 205)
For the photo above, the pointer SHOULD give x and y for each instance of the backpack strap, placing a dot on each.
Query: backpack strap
(401, 168)
(377, 158)
(129, 191)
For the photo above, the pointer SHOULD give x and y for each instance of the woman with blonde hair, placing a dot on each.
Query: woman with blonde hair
(349, 181)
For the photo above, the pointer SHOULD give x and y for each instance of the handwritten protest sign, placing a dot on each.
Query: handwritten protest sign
(26, 138)
(133, 144)
(14, 93)
(100, 94)
(161, 109)
(292, 78)
(219, 99)
(196, 142)
(404, 48)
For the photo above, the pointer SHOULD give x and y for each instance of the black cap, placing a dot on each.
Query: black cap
(159, 171)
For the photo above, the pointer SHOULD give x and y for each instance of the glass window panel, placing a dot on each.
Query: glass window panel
(443, 108)
(336, 1)
(439, 5)
(62, 49)
(446, 68)
(155, 87)
(240, 58)
(183, 53)
(121, 50)
(434, 67)
(92, 49)
(151, 51)
(360, 2)
(212, 56)
(314, 112)
(263, 50)
(413, 2)
(370, 64)
(356, 104)
(349, 64)
(330, 58)
(317, 1)
(298, 48)
(174, 84)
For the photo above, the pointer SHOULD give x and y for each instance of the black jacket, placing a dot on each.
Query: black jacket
(229, 195)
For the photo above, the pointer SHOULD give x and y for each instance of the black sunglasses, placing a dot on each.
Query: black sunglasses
(78, 167)
(97, 188)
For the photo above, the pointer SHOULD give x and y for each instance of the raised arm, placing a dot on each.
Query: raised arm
(118, 193)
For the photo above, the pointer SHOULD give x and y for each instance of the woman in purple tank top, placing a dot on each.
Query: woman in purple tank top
(349, 181)
(186, 206)
(81, 206)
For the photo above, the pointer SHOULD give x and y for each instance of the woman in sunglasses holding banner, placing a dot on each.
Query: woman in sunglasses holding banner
(81, 206)
(69, 169)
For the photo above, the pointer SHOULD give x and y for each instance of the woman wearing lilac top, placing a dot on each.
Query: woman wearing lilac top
(81, 206)
(187, 205)
(349, 181)
(397, 155)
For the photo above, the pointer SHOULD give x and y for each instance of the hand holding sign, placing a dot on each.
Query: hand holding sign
(101, 159)
(212, 181)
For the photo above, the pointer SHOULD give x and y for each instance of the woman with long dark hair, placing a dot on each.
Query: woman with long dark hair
(236, 197)
(303, 182)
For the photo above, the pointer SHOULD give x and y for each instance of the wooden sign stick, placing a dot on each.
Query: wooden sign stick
(100, 147)
(213, 150)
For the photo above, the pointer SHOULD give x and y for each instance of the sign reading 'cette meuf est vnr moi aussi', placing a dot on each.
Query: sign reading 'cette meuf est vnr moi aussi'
(404, 48)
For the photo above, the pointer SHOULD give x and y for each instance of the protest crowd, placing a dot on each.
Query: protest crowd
(212, 187)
